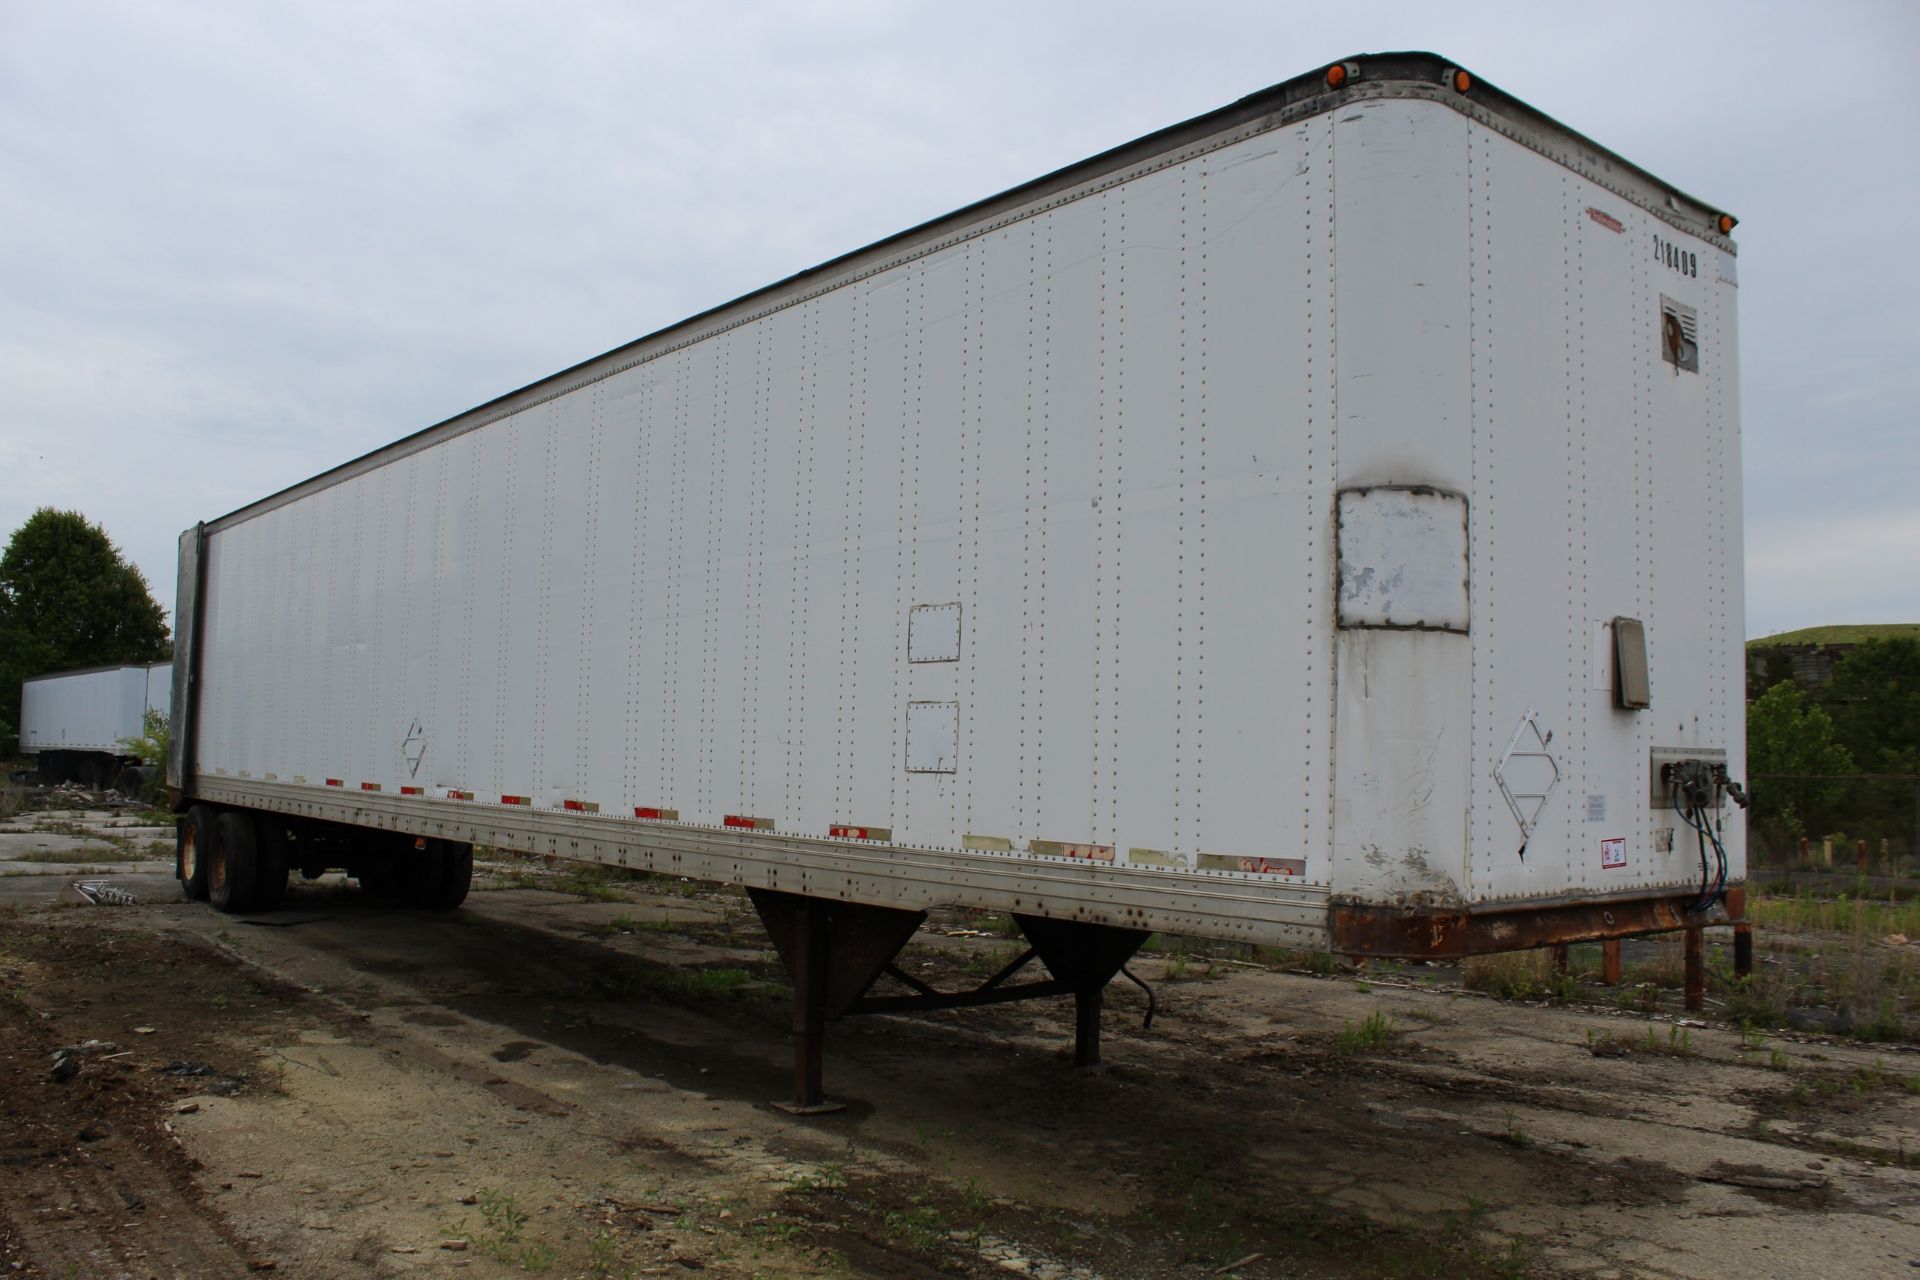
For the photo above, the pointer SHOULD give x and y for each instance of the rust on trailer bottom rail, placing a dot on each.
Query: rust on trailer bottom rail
(1428, 934)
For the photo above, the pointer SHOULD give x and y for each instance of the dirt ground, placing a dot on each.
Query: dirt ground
(573, 1077)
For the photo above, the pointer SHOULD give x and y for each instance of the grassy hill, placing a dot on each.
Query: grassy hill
(1852, 633)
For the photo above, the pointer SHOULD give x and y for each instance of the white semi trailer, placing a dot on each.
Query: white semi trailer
(1314, 523)
(77, 723)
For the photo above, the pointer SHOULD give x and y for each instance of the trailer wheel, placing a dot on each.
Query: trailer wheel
(417, 875)
(377, 879)
(456, 874)
(232, 862)
(270, 869)
(194, 836)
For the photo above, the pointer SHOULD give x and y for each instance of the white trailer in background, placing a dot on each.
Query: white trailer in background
(1315, 523)
(78, 722)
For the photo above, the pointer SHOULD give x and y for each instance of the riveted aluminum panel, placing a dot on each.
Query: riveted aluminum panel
(1108, 417)
(933, 633)
(90, 710)
(1403, 559)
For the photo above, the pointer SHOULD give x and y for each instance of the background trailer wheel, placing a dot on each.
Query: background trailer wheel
(270, 875)
(193, 837)
(232, 863)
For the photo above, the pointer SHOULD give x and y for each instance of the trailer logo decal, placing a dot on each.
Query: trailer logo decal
(1613, 853)
(1606, 220)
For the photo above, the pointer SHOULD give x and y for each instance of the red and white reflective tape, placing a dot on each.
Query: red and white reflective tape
(847, 831)
(369, 786)
(519, 800)
(1077, 850)
(459, 795)
(335, 782)
(656, 815)
(580, 806)
(413, 791)
(748, 824)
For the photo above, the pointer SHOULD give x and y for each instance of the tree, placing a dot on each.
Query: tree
(68, 599)
(1875, 697)
(1788, 735)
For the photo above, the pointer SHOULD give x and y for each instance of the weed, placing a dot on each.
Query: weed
(624, 923)
(1520, 975)
(827, 1177)
(1776, 1060)
(1374, 1034)
(501, 1224)
(976, 1201)
(1515, 1136)
(603, 1252)
(924, 1227)
(1320, 964)
(1618, 1044)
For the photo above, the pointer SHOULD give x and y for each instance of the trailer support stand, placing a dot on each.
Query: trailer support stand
(1696, 969)
(1086, 1027)
(809, 1010)
(832, 951)
(1742, 933)
(1610, 962)
(835, 951)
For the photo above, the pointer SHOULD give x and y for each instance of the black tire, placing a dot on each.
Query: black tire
(234, 863)
(192, 842)
(270, 874)
(378, 879)
(456, 874)
(417, 868)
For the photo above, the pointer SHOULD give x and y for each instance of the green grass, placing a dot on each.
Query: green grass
(1840, 914)
(1374, 1034)
(1845, 633)
(1520, 975)
(156, 851)
(1677, 1043)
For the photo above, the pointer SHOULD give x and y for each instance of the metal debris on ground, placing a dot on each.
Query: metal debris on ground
(99, 891)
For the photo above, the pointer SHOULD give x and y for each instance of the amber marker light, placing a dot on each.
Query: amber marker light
(1462, 82)
(1726, 222)
(1336, 75)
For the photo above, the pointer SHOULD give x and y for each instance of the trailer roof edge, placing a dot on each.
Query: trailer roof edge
(1416, 75)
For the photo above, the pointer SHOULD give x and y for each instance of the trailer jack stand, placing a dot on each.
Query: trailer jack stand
(835, 951)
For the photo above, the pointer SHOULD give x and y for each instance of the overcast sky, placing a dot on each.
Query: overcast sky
(242, 242)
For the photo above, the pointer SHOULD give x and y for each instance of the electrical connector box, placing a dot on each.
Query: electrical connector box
(1659, 792)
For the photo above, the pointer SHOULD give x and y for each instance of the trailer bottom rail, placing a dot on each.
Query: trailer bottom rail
(835, 951)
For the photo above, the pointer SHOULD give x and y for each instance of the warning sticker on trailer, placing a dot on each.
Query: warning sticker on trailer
(1613, 853)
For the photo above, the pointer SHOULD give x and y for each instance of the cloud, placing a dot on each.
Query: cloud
(243, 243)
(1853, 567)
